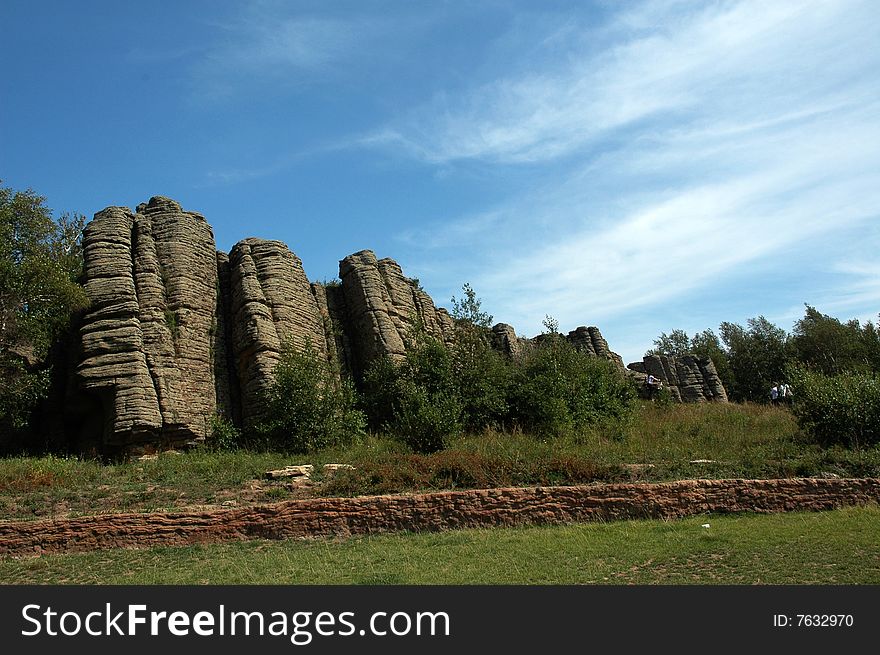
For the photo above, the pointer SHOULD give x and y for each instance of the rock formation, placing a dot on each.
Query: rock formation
(504, 340)
(382, 306)
(591, 340)
(271, 306)
(689, 378)
(177, 333)
(148, 336)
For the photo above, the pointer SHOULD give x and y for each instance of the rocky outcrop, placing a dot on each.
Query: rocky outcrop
(383, 306)
(272, 306)
(444, 510)
(590, 340)
(505, 341)
(178, 333)
(147, 340)
(689, 378)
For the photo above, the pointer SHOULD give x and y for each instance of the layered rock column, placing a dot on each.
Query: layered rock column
(382, 308)
(590, 340)
(148, 337)
(272, 306)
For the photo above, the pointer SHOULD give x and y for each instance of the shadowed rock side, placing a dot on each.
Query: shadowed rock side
(504, 340)
(147, 339)
(272, 304)
(689, 379)
(381, 308)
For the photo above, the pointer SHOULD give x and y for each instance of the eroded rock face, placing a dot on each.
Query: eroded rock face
(382, 306)
(504, 340)
(148, 337)
(589, 339)
(178, 333)
(689, 379)
(271, 305)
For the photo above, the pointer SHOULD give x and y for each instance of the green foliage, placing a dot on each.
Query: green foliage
(172, 324)
(308, 405)
(40, 260)
(483, 379)
(676, 343)
(224, 434)
(827, 345)
(415, 399)
(837, 409)
(481, 374)
(469, 309)
(559, 389)
(551, 325)
(757, 358)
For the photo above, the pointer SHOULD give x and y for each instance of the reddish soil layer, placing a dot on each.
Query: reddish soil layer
(325, 517)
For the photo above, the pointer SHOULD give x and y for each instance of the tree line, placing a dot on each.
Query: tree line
(751, 358)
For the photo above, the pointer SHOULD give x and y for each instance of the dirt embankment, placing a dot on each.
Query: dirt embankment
(342, 517)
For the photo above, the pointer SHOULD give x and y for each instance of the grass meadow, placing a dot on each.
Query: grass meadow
(836, 547)
(660, 443)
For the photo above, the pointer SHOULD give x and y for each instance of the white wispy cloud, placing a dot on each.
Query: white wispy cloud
(679, 63)
(700, 139)
(271, 42)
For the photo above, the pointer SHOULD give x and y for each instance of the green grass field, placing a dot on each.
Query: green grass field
(837, 547)
(658, 444)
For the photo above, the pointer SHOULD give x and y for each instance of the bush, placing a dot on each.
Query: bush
(838, 409)
(224, 434)
(308, 405)
(416, 399)
(482, 378)
(558, 389)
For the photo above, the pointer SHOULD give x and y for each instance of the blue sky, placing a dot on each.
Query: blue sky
(639, 166)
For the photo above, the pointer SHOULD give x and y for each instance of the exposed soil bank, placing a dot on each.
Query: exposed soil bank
(473, 508)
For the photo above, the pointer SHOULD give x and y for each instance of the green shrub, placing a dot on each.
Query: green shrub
(415, 399)
(308, 405)
(224, 434)
(838, 409)
(482, 377)
(558, 389)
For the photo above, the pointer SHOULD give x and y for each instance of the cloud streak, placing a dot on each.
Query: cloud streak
(699, 140)
(267, 43)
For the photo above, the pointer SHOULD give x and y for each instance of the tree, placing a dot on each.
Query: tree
(827, 345)
(757, 357)
(415, 399)
(559, 390)
(481, 373)
(308, 405)
(469, 309)
(675, 343)
(40, 261)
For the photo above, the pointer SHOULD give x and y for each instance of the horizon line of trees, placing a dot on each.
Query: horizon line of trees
(751, 358)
